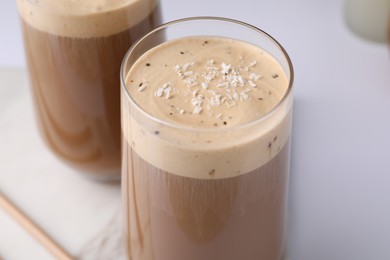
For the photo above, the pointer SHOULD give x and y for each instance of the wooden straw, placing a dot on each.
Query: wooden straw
(55, 249)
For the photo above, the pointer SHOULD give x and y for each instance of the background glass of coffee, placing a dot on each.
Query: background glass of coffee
(74, 50)
(206, 123)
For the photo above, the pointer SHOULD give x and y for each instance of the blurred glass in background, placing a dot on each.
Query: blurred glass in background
(370, 19)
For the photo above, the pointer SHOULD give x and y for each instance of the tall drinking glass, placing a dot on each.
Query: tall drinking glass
(74, 50)
(206, 123)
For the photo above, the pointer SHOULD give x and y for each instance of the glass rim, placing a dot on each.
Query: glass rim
(189, 128)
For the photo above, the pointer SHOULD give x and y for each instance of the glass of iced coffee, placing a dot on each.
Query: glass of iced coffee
(74, 50)
(206, 123)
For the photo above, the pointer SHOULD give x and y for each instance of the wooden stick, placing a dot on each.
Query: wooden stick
(55, 249)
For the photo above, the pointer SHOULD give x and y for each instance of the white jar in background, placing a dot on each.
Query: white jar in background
(369, 19)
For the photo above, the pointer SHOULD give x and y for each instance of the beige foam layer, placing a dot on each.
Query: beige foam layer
(227, 156)
(84, 18)
(205, 152)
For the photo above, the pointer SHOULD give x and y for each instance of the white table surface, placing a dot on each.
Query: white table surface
(340, 168)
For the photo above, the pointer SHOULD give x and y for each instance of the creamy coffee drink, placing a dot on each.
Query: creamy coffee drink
(203, 176)
(74, 50)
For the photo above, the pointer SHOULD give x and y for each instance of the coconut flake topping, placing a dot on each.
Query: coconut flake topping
(211, 86)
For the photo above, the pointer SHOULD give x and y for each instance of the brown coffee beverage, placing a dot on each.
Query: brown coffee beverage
(171, 217)
(206, 128)
(74, 52)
